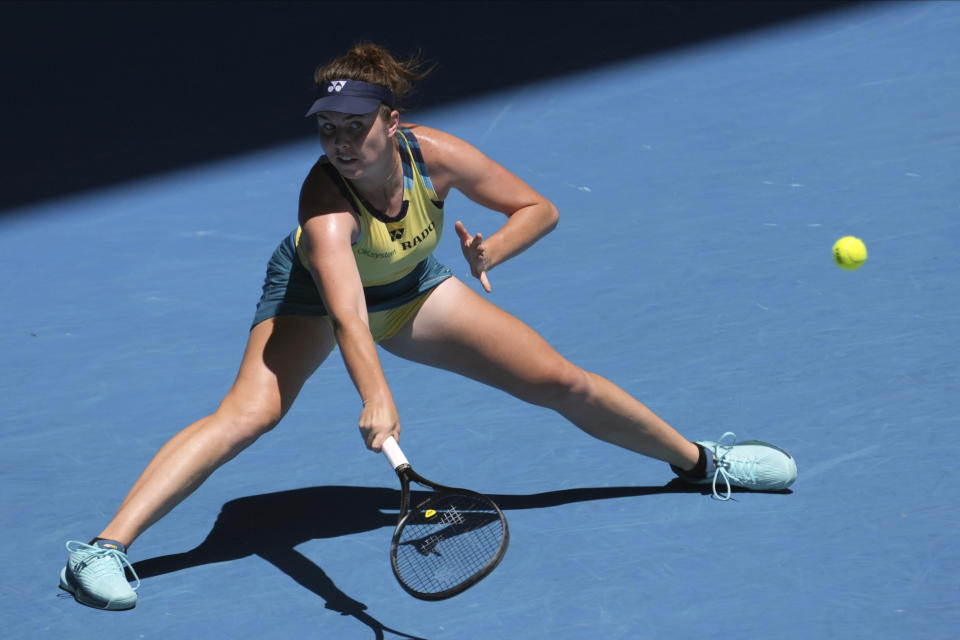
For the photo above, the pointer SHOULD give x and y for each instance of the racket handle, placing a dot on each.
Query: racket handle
(394, 455)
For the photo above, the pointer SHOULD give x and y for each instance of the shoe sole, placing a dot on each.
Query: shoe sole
(79, 596)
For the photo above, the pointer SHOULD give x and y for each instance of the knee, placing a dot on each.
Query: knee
(565, 386)
(240, 425)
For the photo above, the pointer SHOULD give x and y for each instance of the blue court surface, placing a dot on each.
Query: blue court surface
(700, 193)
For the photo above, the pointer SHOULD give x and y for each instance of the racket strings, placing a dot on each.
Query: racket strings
(448, 542)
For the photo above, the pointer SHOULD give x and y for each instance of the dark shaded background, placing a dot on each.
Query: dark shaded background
(95, 93)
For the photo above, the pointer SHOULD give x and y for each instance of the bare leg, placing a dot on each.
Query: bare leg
(281, 354)
(459, 331)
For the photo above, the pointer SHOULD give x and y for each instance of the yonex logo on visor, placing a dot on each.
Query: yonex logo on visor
(350, 96)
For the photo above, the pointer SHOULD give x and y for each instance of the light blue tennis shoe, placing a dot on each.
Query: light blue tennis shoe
(95, 575)
(750, 464)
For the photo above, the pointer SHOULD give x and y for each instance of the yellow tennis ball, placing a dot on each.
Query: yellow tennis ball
(849, 252)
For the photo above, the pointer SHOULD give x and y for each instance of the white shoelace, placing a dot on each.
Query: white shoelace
(739, 470)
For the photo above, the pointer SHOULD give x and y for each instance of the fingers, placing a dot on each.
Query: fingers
(475, 253)
(465, 238)
(375, 441)
(485, 282)
(462, 233)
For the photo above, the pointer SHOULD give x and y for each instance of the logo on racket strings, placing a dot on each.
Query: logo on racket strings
(452, 516)
(428, 545)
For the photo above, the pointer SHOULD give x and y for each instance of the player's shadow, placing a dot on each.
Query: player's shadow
(272, 525)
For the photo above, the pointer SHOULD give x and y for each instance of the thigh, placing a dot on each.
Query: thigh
(282, 352)
(458, 330)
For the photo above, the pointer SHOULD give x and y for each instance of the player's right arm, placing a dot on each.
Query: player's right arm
(328, 228)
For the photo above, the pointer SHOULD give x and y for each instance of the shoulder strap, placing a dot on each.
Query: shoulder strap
(411, 154)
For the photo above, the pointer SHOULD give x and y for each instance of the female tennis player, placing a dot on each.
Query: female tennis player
(359, 271)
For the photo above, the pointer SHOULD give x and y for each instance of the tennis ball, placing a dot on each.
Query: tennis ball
(849, 252)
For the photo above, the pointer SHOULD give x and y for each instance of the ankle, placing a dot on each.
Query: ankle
(107, 543)
(696, 470)
(107, 539)
(694, 459)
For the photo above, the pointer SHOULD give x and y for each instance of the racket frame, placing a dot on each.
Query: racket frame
(407, 475)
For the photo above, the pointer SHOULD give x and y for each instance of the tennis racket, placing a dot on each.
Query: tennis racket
(447, 543)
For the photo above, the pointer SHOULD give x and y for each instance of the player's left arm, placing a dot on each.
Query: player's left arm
(456, 164)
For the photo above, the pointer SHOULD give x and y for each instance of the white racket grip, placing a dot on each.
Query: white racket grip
(394, 455)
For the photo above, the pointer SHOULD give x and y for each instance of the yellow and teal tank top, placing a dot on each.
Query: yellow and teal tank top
(387, 249)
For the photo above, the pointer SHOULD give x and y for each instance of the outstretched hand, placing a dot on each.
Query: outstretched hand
(476, 254)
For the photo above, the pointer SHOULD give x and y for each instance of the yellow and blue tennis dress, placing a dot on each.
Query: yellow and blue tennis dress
(394, 255)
